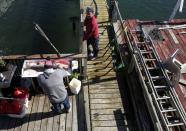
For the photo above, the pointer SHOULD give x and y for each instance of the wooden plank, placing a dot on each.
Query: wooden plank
(101, 59)
(81, 110)
(99, 79)
(26, 118)
(45, 114)
(118, 128)
(56, 122)
(114, 81)
(104, 91)
(101, 71)
(106, 84)
(96, 87)
(74, 114)
(110, 123)
(33, 114)
(62, 121)
(106, 106)
(39, 113)
(97, 69)
(100, 74)
(105, 96)
(105, 101)
(50, 121)
(107, 117)
(69, 119)
(107, 111)
(42, 56)
(87, 107)
(103, 42)
(97, 62)
(103, 66)
(105, 73)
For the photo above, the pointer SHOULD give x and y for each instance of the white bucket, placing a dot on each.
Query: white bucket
(75, 85)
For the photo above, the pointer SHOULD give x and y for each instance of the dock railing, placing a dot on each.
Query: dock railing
(115, 15)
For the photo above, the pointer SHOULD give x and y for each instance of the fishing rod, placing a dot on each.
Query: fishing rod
(41, 32)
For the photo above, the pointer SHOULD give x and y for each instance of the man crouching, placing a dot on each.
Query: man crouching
(51, 82)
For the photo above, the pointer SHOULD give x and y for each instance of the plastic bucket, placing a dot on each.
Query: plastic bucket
(75, 85)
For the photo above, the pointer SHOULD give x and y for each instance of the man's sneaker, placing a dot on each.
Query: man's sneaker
(55, 111)
(69, 110)
(90, 56)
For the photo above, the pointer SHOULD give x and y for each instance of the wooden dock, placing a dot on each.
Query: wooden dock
(102, 105)
(106, 108)
(41, 118)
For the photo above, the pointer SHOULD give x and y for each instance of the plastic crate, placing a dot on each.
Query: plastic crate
(13, 107)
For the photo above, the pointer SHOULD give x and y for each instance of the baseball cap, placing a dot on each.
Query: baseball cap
(89, 9)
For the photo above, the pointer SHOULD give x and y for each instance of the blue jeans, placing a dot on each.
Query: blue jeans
(94, 42)
(57, 106)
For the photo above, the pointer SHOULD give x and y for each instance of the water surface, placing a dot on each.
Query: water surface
(55, 17)
(149, 9)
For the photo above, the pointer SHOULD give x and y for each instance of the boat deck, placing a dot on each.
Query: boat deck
(166, 44)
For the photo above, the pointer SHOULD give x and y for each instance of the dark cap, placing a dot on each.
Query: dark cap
(89, 9)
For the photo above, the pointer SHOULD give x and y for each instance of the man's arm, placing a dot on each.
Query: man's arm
(63, 72)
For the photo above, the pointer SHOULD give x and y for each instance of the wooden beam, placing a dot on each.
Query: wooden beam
(42, 56)
(87, 105)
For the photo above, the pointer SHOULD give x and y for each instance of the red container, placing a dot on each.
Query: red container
(14, 107)
(3, 106)
(21, 93)
(15, 104)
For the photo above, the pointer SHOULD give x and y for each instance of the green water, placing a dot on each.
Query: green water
(17, 34)
(149, 9)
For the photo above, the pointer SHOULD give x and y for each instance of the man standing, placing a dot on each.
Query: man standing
(92, 33)
(51, 81)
